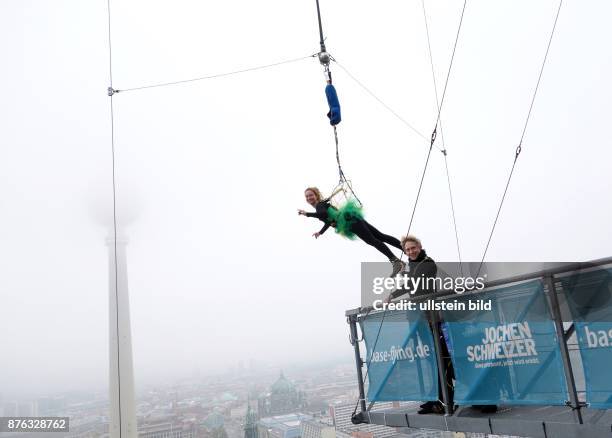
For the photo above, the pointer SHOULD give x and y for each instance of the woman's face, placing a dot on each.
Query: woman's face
(311, 197)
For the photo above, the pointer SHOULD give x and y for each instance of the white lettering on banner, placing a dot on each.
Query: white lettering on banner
(598, 338)
(508, 341)
(397, 353)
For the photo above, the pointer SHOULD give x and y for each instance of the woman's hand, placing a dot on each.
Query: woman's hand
(316, 235)
(301, 212)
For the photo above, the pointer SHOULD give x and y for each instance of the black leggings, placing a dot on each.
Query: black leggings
(448, 365)
(372, 236)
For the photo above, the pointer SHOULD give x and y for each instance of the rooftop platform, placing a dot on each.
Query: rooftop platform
(526, 421)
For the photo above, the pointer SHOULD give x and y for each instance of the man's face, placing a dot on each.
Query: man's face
(412, 250)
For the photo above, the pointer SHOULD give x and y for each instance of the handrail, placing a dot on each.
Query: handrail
(571, 266)
(546, 276)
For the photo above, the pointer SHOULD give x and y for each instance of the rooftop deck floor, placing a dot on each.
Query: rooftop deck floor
(525, 421)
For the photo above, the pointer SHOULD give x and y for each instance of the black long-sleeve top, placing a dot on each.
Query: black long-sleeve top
(323, 215)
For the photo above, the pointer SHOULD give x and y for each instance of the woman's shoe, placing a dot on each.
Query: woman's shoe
(398, 266)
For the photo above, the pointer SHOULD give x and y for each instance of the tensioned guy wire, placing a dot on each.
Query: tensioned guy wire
(112, 120)
(434, 133)
(213, 76)
(379, 100)
(450, 65)
(519, 147)
(450, 192)
(432, 141)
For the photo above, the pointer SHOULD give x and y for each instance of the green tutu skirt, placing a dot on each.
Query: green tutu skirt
(345, 217)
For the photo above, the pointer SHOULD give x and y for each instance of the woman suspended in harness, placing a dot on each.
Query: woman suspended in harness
(349, 221)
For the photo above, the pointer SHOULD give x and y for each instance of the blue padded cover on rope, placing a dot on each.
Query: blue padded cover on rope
(334, 105)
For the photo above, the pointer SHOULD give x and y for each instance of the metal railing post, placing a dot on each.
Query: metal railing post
(448, 409)
(567, 365)
(352, 320)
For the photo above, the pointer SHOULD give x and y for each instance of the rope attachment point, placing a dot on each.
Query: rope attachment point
(326, 70)
(110, 91)
(324, 58)
(580, 404)
(434, 134)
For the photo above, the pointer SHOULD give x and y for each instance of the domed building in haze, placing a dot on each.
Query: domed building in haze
(283, 398)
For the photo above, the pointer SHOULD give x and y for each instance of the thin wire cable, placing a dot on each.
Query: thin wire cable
(431, 144)
(535, 92)
(379, 100)
(450, 66)
(112, 120)
(384, 314)
(444, 152)
(386, 309)
(434, 133)
(342, 178)
(218, 75)
(416, 201)
(450, 194)
(520, 145)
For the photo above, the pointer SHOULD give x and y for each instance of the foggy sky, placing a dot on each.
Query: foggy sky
(210, 174)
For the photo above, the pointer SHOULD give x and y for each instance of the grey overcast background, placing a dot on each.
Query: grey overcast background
(210, 173)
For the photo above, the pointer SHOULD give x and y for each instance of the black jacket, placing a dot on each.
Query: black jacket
(424, 267)
(323, 215)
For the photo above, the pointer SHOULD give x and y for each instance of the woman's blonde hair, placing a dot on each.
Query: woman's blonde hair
(316, 191)
(410, 238)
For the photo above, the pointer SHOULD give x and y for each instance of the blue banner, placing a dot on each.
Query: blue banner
(589, 297)
(509, 354)
(403, 364)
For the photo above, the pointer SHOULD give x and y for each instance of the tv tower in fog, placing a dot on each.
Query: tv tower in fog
(122, 407)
